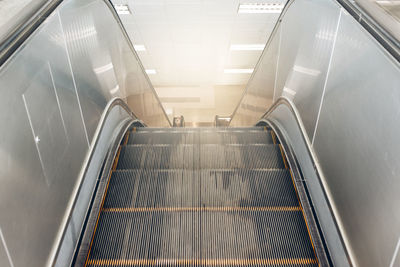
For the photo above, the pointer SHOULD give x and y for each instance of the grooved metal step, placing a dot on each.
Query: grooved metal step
(202, 129)
(205, 188)
(204, 137)
(201, 197)
(162, 237)
(200, 156)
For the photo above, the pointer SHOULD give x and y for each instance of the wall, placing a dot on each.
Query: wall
(345, 88)
(54, 90)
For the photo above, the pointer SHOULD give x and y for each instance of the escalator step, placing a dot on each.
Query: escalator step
(198, 129)
(167, 238)
(205, 157)
(205, 188)
(204, 137)
(201, 197)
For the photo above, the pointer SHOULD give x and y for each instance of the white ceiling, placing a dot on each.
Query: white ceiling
(188, 41)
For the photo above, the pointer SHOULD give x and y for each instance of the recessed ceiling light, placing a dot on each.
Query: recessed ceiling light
(260, 8)
(235, 71)
(139, 48)
(247, 47)
(122, 9)
(151, 71)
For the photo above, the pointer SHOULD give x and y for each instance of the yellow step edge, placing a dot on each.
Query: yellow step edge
(189, 209)
(202, 262)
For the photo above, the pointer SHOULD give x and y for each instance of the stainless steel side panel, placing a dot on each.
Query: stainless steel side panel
(306, 43)
(115, 122)
(357, 144)
(346, 89)
(284, 118)
(260, 89)
(54, 90)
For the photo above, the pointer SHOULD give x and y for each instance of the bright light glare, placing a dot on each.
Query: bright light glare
(151, 71)
(114, 90)
(305, 70)
(260, 8)
(236, 71)
(139, 48)
(247, 47)
(169, 111)
(122, 9)
(104, 68)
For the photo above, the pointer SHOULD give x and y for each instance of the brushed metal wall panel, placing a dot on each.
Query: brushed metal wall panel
(56, 87)
(36, 178)
(89, 54)
(104, 65)
(283, 117)
(116, 120)
(357, 143)
(4, 258)
(48, 128)
(260, 89)
(345, 87)
(306, 44)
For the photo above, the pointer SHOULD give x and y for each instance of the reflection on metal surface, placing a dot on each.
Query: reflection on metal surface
(222, 121)
(179, 121)
(151, 71)
(391, 6)
(50, 135)
(284, 114)
(361, 100)
(259, 8)
(346, 92)
(395, 255)
(385, 12)
(289, 91)
(236, 71)
(305, 70)
(122, 9)
(55, 91)
(104, 68)
(139, 48)
(14, 13)
(4, 244)
(247, 47)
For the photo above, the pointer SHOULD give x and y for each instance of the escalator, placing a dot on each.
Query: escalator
(199, 197)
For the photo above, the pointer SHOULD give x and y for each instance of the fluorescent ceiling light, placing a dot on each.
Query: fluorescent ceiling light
(139, 48)
(151, 71)
(260, 8)
(235, 71)
(247, 47)
(122, 9)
